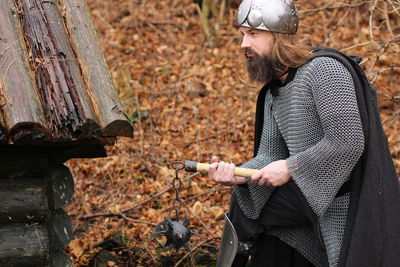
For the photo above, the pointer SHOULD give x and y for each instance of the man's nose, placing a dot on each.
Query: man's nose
(245, 43)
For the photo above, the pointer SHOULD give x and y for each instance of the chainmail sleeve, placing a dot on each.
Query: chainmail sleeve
(252, 197)
(321, 168)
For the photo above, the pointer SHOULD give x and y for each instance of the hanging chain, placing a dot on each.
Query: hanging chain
(177, 185)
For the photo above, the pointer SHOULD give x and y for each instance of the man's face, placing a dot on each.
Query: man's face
(259, 41)
(257, 45)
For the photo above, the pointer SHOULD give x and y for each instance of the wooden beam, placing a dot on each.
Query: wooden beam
(23, 200)
(23, 245)
(19, 102)
(27, 161)
(94, 68)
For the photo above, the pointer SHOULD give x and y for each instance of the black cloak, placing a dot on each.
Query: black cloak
(372, 233)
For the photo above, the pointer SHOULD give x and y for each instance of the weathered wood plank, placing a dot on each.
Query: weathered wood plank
(60, 186)
(19, 102)
(94, 68)
(23, 200)
(57, 73)
(22, 245)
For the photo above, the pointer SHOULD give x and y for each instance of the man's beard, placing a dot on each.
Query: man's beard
(262, 69)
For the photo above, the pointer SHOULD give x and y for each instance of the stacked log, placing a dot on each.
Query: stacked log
(34, 228)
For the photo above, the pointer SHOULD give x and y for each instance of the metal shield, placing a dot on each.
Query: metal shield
(229, 244)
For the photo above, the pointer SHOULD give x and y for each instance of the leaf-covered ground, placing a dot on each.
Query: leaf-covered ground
(189, 98)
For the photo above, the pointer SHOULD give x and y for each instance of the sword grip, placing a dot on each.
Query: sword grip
(193, 166)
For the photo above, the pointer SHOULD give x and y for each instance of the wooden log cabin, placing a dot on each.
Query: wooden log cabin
(57, 102)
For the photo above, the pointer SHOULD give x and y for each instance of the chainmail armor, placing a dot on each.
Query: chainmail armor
(315, 124)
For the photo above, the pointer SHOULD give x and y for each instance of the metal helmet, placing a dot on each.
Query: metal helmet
(269, 15)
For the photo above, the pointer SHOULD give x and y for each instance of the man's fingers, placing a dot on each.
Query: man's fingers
(232, 169)
(224, 169)
(212, 170)
(214, 159)
(256, 177)
(262, 182)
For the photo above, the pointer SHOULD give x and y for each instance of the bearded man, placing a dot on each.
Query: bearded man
(326, 193)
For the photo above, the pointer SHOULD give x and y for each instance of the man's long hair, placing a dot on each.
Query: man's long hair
(291, 51)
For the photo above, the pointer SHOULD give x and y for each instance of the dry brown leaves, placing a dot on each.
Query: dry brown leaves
(191, 101)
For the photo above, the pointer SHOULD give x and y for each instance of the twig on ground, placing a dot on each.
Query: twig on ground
(200, 220)
(151, 256)
(110, 214)
(136, 221)
(194, 249)
(208, 192)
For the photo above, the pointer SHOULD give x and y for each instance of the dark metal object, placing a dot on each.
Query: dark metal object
(177, 185)
(190, 166)
(176, 231)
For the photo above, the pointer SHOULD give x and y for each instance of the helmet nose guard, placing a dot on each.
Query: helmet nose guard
(269, 15)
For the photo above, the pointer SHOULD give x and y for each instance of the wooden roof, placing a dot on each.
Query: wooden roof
(54, 82)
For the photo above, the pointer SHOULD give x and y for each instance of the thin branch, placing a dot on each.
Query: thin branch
(337, 27)
(208, 192)
(356, 46)
(110, 214)
(382, 71)
(193, 197)
(371, 13)
(395, 10)
(194, 249)
(386, 14)
(136, 221)
(328, 8)
(199, 219)
(379, 54)
(151, 256)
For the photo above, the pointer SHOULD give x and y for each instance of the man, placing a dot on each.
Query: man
(326, 193)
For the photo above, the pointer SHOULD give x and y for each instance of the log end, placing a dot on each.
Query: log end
(119, 128)
(60, 229)
(58, 258)
(28, 133)
(60, 186)
(89, 129)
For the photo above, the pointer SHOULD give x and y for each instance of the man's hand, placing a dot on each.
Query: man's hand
(223, 172)
(274, 174)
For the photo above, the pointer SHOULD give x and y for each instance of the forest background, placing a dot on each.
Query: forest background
(181, 77)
